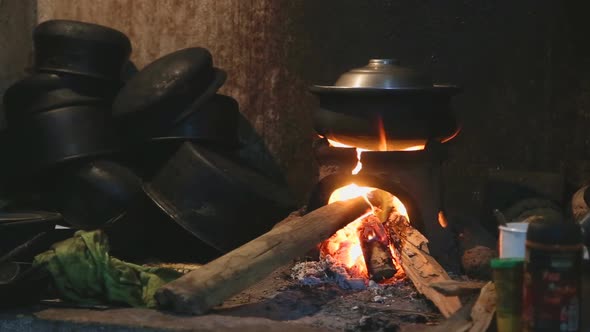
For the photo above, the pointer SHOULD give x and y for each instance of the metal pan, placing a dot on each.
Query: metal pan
(217, 199)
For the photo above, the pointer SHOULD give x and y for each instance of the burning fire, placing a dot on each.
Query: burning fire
(349, 245)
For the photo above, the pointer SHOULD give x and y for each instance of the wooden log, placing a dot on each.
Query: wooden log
(484, 308)
(457, 288)
(422, 269)
(375, 245)
(460, 321)
(211, 284)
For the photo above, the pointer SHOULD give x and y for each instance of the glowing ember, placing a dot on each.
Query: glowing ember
(442, 219)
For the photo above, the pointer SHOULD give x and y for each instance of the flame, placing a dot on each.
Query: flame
(400, 207)
(414, 148)
(345, 245)
(382, 135)
(349, 192)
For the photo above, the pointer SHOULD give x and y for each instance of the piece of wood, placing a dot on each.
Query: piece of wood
(375, 245)
(484, 308)
(422, 269)
(460, 321)
(456, 288)
(211, 284)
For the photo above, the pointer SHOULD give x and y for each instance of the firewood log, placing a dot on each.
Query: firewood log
(456, 288)
(422, 269)
(484, 309)
(211, 284)
(375, 245)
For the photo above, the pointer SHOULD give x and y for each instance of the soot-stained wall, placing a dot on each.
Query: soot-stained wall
(524, 67)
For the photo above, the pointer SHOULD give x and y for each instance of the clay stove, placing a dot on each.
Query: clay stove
(384, 126)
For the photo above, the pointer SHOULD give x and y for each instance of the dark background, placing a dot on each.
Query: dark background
(524, 67)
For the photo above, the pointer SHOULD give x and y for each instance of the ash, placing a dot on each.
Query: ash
(326, 271)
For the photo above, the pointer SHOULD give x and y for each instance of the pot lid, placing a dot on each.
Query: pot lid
(382, 75)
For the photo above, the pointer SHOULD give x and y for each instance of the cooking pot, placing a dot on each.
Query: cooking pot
(214, 126)
(145, 231)
(51, 137)
(63, 46)
(18, 227)
(45, 91)
(94, 195)
(216, 198)
(385, 107)
(166, 92)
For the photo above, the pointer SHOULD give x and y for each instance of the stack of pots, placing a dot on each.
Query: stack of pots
(62, 111)
(89, 134)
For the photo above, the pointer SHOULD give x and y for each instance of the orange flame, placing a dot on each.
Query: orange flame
(345, 245)
(382, 136)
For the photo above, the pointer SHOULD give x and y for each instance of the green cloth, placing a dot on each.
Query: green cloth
(83, 272)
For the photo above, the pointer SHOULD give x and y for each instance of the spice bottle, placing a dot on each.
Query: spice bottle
(552, 279)
(508, 279)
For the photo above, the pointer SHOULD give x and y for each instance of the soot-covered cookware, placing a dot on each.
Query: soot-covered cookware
(48, 138)
(45, 91)
(217, 199)
(18, 227)
(385, 106)
(166, 92)
(93, 195)
(63, 46)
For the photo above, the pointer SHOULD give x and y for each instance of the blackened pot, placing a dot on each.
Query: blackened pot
(385, 121)
(167, 91)
(25, 287)
(218, 200)
(216, 122)
(94, 195)
(144, 231)
(73, 47)
(214, 126)
(384, 106)
(44, 91)
(55, 136)
(17, 228)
